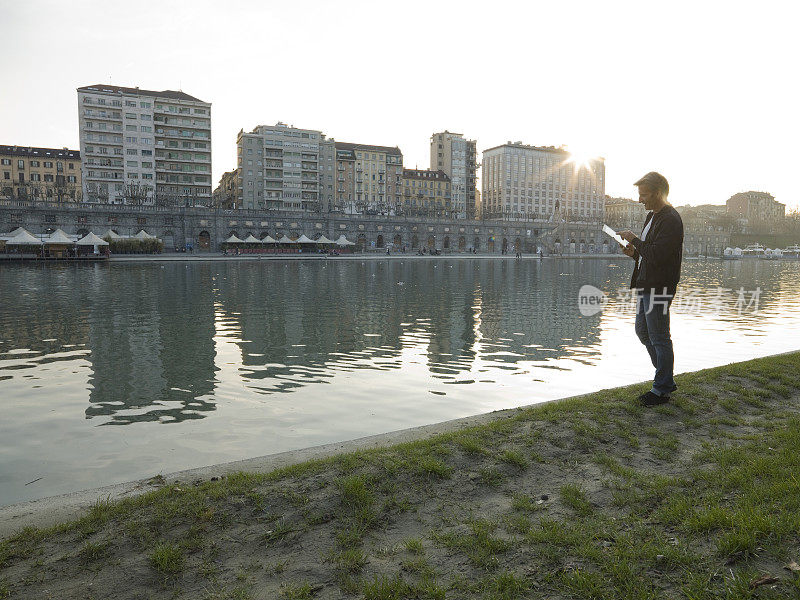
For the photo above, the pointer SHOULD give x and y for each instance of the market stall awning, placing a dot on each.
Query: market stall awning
(90, 239)
(58, 237)
(23, 238)
(143, 235)
(303, 239)
(112, 235)
(233, 239)
(285, 240)
(323, 240)
(268, 240)
(251, 239)
(343, 241)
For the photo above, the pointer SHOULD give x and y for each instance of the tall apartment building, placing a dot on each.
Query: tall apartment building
(532, 182)
(279, 168)
(756, 206)
(426, 193)
(457, 157)
(369, 179)
(40, 173)
(143, 146)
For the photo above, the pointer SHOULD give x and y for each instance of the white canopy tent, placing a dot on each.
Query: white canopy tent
(58, 237)
(90, 239)
(285, 240)
(303, 239)
(143, 235)
(323, 240)
(233, 240)
(268, 240)
(343, 241)
(23, 238)
(251, 239)
(112, 235)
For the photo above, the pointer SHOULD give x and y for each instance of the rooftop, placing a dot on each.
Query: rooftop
(135, 91)
(41, 152)
(368, 148)
(425, 174)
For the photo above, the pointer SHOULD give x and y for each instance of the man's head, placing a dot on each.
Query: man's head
(653, 190)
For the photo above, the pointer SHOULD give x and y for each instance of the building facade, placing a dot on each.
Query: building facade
(426, 193)
(457, 157)
(624, 213)
(226, 194)
(279, 168)
(531, 182)
(706, 229)
(756, 207)
(369, 178)
(144, 147)
(40, 173)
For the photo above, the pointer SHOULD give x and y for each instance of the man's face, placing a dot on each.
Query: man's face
(648, 197)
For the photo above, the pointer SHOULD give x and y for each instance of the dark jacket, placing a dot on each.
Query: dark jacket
(661, 253)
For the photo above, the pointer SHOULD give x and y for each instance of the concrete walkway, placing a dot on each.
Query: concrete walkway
(172, 257)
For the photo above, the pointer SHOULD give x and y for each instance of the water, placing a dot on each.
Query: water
(113, 372)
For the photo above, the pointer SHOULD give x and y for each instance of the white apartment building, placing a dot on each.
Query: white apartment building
(279, 168)
(455, 155)
(143, 146)
(531, 182)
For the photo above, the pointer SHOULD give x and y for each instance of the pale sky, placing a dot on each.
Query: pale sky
(704, 92)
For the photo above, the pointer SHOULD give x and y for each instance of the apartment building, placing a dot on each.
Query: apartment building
(541, 182)
(457, 157)
(50, 174)
(756, 207)
(369, 179)
(624, 213)
(144, 146)
(226, 194)
(426, 193)
(279, 168)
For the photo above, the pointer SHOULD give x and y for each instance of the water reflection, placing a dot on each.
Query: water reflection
(291, 354)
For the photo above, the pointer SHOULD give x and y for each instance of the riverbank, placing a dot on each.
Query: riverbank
(359, 256)
(589, 497)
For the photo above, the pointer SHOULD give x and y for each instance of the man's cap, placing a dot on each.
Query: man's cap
(655, 181)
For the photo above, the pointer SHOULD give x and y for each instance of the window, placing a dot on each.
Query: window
(48, 178)
(71, 179)
(131, 151)
(130, 115)
(147, 153)
(6, 175)
(5, 161)
(34, 163)
(36, 177)
(130, 103)
(130, 140)
(130, 127)
(147, 165)
(147, 141)
(145, 104)
(132, 163)
(147, 129)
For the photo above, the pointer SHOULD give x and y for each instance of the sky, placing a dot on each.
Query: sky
(704, 92)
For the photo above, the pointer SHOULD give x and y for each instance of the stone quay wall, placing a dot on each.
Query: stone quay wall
(204, 229)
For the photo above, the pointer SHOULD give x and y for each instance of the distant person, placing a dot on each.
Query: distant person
(658, 254)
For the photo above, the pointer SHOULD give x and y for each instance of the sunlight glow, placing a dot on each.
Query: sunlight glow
(580, 159)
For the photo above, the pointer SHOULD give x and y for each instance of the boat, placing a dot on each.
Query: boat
(753, 251)
(732, 254)
(792, 251)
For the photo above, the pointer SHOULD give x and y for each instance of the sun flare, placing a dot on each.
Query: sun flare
(580, 158)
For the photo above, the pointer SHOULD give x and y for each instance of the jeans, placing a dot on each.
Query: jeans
(652, 328)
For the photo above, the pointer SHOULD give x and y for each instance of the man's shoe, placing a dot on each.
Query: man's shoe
(651, 399)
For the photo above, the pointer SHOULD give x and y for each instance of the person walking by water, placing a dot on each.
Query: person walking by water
(657, 253)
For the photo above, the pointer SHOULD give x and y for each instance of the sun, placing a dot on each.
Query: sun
(580, 158)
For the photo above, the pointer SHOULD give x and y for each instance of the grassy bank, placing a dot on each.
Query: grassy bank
(585, 498)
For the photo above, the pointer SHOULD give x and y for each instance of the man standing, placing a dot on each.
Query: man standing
(658, 254)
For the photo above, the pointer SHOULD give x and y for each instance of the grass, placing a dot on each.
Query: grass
(590, 497)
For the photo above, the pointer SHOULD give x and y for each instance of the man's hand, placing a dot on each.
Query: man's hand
(627, 235)
(628, 250)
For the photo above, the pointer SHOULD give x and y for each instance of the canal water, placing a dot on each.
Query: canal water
(113, 372)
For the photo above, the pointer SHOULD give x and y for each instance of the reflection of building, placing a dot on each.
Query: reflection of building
(756, 207)
(456, 156)
(529, 182)
(426, 192)
(44, 173)
(153, 351)
(144, 147)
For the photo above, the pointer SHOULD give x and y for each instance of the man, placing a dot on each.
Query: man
(658, 254)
